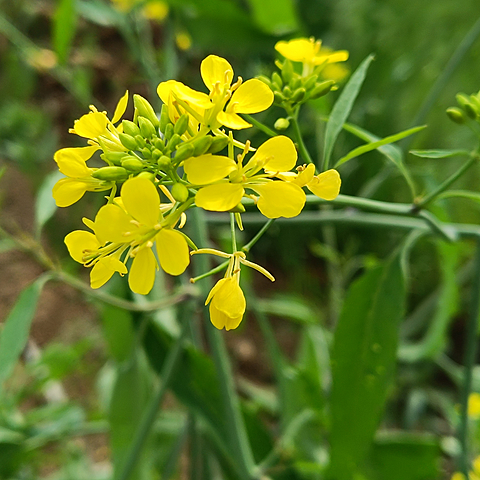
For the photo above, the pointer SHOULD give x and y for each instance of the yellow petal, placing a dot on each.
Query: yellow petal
(172, 250)
(305, 176)
(91, 125)
(156, 10)
(216, 69)
(326, 185)
(208, 168)
(252, 96)
(278, 153)
(78, 242)
(120, 108)
(227, 304)
(220, 197)
(67, 191)
(298, 50)
(71, 164)
(142, 272)
(83, 152)
(334, 57)
(141, 200)
(104, 269)
(221, 320)
(232, 120)
(178, 89)
(280, 199)
(111, 224)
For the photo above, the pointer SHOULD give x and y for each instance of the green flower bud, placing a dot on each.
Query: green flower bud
(321, 89)
(110, 173)
(130, 128)
(180, 192)
(160, 144)
(182, 124)
(145, 109)
(277, 82)
(456, 115)
(287, 93)
(218, 144)
(295, 82)
(202, 145)
(146, 127)
(287, 71)
(310, 82)
(146, 152)
(168, 132)
(148, 175)
(183, 152)
(282, 124)
(156, 154)
(113, 157)
(174, 141)
(238, 209)
(278, 97)
(265, 80)
(164, 162)
(128, 141)
(131, 163)
(465, 102)
(140, 141)
(299, 95)
(164, 118)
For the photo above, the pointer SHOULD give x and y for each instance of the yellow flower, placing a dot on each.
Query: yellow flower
(225, 100)
(310, 53)
(156, 10)
(133, 224)
(276, 198)
(226, 298)
(474, 406)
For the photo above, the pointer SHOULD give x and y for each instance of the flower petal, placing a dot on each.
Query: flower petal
(305, 176)
(104, 269)
(67, 191)
(228, 304)
(280, 199)
(172, 250)
(216, 69)
(111, 224)
(178, 89)
(71, 164)
(208, 168)
(326, 185)
(78, 242)
(220, 197)
(141, 200)
(142, 272)
(84, 153)
(120, 108)
(298, 50)
(278, 153)
(91, 125)
(232, 120)
(334, 57)
(252, 96)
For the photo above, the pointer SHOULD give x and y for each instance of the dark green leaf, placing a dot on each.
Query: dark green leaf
(64, 27)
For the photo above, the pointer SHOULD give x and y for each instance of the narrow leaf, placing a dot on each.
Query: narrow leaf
(439, 153)
(45, 205)
(363, 362)
(342, 108)
(64, 27)
(379, 143)
(15, 331)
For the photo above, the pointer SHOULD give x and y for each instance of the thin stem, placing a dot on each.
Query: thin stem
(260, 125)
(449, 181)
(247, 247)
(470, 354)
(232, 230)
(213, 271)
(299, 138)
(148, 419)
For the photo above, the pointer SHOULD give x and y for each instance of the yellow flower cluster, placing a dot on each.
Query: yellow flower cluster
(164, 165)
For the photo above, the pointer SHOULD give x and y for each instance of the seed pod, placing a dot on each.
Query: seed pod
(110, 173)
(182, 124)
(133, 164)
(282, 124)
(113, 157)
(218, 144)
(174, 141)
(183, 152)
(202, 145)
(145, 109)
(456, 115)
(164, 162)
(321, 89)
(287, 71)
(180, 192)
(164, 118)
(130, 128)
(277, 81)
(128, 141)
(299, 95)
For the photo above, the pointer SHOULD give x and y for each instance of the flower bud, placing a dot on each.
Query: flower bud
(282, 124)
(287, 71)
(164, 118)
(287, 93)
(145, 109)
(160, 144)
(182, 124)
(164, 162)
(265, 80)
(299, 95)
(146, 127)
(146, 152)
(295, 82)
(174, 141)
(456, 115)
(130, 128)
(156, 153)
(131, 163)
(278, 97)
(148, 175)
(218, 144)
(321, 89)
(202, 144)
(168, 131)
(110, 173)
(184, 151)
(277, 82)
(180, 192)
(310, 82)
(128, 141)
(113, 157)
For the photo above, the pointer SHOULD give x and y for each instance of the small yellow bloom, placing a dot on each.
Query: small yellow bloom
(183, 40)
(156, 10)
(474, 406)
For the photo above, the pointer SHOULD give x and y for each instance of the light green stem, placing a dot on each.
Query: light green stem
(299, 139)
(260, 125)
(247, 247)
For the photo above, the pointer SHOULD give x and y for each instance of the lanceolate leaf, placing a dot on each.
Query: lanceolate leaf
(342, 108)
(363, 361)
(65, 20)
(439, 153)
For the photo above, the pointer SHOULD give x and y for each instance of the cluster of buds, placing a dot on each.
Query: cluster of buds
(164, 165)
(469, 108)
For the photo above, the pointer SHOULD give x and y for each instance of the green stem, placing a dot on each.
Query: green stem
(260, 125)
(247, 247)
(299, 139)
(213, 271)
(168, 370)
(232, 231)
(470, 354)
(449, 181)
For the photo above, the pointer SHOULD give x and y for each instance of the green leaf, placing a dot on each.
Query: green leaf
(45, 205)
(118, 330)
(363, 362)
(342, 108)
(276, 17)
(64, 27)
(99, 13)
(439, 153)
(15, 331)
(379, 143)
